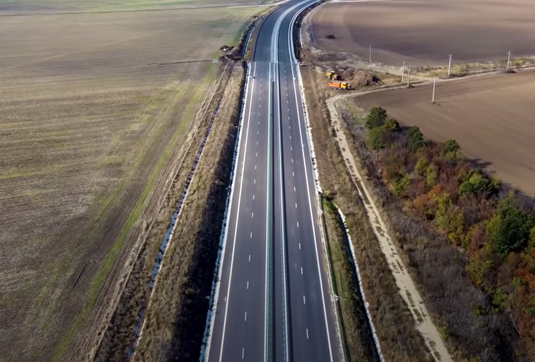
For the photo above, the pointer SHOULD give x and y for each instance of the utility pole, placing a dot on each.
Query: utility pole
(449, 67)
(434, 85)
(370, 54)
(403, 73)
(409, 82)
(508, 59)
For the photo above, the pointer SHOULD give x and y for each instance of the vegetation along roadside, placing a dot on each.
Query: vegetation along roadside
(467, 239)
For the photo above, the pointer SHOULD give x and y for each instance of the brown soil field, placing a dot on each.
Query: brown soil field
(95, 109)
(424, 32)
(490, 116)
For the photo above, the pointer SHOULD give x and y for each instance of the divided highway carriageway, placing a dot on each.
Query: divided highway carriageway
(273, 302)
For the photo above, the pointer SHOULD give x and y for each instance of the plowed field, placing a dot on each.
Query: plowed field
(424, 32)
(491, 117)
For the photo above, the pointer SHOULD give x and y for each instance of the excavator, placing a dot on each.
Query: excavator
(331, 74)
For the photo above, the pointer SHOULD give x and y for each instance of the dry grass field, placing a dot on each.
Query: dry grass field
(32, 7)
(424, 32)
(491, 117)
(92, 106)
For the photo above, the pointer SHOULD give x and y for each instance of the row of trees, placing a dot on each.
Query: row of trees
(493, 225)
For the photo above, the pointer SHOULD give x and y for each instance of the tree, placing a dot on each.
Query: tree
(421, 166)
(477, 182)
(451, 146)
(378, 138)
(431, 174)
(401, 184)
(509, 229)
(416, 139)
(376, 117)
(450, 220)
(452, 150)
(392, 125)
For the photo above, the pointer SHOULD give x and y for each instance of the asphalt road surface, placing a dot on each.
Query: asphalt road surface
(273, 301)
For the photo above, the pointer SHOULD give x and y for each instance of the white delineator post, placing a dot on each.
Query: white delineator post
(403, 73)
(370, 54)
(409, 81)
(449, 66)
(434, 86)
(508, 59)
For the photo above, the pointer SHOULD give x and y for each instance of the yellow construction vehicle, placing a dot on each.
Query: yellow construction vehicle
(331, 74)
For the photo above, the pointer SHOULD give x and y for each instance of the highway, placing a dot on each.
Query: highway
(273, 301)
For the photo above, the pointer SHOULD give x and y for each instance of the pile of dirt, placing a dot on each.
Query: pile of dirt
(357, 78)
(361, 78)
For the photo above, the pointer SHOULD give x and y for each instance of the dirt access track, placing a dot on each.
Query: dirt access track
(490, 116)
(424, 32)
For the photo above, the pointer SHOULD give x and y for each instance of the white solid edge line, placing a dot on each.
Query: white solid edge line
(266, 272)
(296, 88)
(236, 227)
(284, 288)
